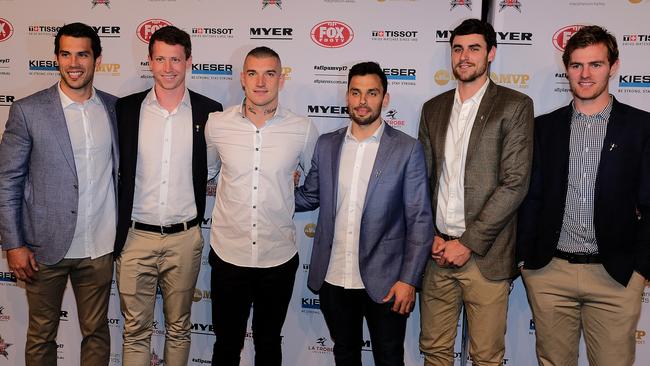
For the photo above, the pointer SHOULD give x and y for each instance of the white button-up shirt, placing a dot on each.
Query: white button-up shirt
(252, 221)
(90, 136)
(355, 168)
(164, 187)
(450, 213)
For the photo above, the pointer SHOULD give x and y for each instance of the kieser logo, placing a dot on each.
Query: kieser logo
(461, 3)
(399, 74)
(332, 34)
(442, 77)
(310, 303)
(516, 4)
(276, 33)
(43, 65)
(212, 32)
(112, 69)
(211, 69)
(327, 111)
(640, 336)
(516, 80)
(266, 3)
(634, 81)
(148, 27)
(6, 29)
(562, 35)
(310, 230)
(3, 347)
(101, 2)
(7, 277)
(6, 100)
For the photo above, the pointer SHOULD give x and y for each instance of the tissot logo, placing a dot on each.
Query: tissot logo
(43, 30)
(201, 328)
(113, 321)
(107, 31)
(636, 40)
(148, 27)
(332, 34)
(461, 3)
(634, 81)
(327, 111)
(400, 74)
(43, 65)
(277, 33)
(212, 32)
(515, 38)
(514, 4)
(211, 69)
(562, 35)
(6, 100)
(6, 29)
(394, 35)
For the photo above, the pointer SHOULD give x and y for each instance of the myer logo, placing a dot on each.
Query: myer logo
(327, 111)
(201, 328)
(271, 33)
(107, 31)
(515, 38)
(6, 100)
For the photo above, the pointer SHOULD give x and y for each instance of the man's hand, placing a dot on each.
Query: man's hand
(456, 253)
(437, 251)
(404, 297)
(22, 262)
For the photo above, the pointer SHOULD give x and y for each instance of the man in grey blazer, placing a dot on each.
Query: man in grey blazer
(478, 145)
(375, 227)
(58, 164)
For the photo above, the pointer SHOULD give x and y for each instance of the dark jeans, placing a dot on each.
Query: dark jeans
(233, 290)
(344, 311)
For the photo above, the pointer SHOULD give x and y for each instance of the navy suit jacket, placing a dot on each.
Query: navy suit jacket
(128, 122)
(396, 224)
(38, 177)
(621, 197)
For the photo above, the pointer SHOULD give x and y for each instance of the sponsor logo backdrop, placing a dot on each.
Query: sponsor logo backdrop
(318, 41)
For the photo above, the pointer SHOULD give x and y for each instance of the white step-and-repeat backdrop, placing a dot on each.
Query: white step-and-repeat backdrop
(318, 41)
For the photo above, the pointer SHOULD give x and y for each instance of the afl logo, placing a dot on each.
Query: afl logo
(6, 29)
(561, 37)
(332, 34)
(146, 28)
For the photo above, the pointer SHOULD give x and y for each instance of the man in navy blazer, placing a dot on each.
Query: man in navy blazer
(583, 242)
(374, 229)
(58, 169)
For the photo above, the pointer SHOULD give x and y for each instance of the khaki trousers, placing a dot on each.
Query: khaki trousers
(91, 284)
(149, 260)
(444, 291)
(569, 298)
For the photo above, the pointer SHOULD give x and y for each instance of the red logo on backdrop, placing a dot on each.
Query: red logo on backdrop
(146, 28)
(6, 29)
(332, 34)
(561, 37)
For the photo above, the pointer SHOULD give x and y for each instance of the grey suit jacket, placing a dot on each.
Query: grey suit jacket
(396, 225)
(38, 177)
(497, 171)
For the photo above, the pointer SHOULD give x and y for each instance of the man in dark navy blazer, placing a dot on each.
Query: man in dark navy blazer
(583, 241)
(374, 229)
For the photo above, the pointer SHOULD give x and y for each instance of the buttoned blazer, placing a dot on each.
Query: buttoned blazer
(621, 195)
(396, 228)
(497, 171)
(128, 122)
(39, 194)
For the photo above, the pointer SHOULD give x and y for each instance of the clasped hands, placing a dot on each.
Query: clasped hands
(449, 253)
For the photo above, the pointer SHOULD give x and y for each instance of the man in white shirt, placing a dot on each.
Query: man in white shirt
(478, 143)
(163, 175)
(58, 170)
(374, 228)
(256, 147)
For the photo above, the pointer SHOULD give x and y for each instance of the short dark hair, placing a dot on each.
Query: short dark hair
(172, 36)
(475, 26)
(79, 30)
(591, 35)
(369, 68)
(263, 51)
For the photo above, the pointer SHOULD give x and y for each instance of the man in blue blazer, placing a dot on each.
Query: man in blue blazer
(375, 228)
(58, 169)
(583, 240)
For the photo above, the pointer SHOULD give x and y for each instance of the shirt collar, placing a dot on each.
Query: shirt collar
(603, 115)
(476, 98)
(66, 101)
(374, 138)
(153, 99)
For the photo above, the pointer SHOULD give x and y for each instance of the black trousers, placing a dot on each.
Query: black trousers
(344, 311)
(233, 290)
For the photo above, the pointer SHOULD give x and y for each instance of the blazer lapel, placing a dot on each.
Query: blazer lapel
(440, 133)
(384, 153)
(60, 127)
(615, 128)
(481, 119)
(337, 145)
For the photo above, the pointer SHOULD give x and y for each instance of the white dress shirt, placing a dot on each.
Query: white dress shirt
(252, 219)
(450, 213)
(355, 167)
(164, 187)
(90, 136)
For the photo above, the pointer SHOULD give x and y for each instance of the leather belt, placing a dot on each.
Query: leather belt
(169, 229)
(577, 258)
(445, 237)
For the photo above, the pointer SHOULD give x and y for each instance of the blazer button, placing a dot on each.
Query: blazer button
(73, 212)
(76, 186)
